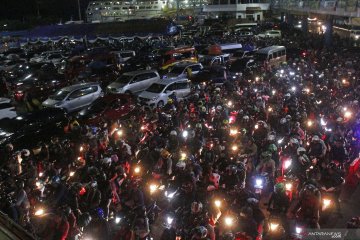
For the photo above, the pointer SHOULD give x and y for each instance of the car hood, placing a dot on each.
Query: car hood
(116, 85)
(50, 102)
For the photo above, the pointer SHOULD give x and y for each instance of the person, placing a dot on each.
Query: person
(92, 198)
(317, 149)
(331, 181)
(308, 206)
(338, 152)
(22, 203)
(266, 165)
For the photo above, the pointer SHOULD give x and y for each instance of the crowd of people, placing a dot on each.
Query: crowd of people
(264, 157)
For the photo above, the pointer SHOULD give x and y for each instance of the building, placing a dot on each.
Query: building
(252, 10)
(109, 11)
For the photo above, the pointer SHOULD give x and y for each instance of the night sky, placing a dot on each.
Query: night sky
(56, 9)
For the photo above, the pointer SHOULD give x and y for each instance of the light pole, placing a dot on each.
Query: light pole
(79, 10)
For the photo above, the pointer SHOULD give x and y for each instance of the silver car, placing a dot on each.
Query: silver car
(133, 82)
(181, 70)
(74, 97)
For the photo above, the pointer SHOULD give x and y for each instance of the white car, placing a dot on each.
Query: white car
(7, 110)
(355, 34)
(158, 93)
(180, 70)
(270, 34)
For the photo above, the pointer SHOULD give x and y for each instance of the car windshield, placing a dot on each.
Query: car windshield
(59, 95)
(9, 126)
(177, 70)
(124, 78)
(98, 105)
(156, 88)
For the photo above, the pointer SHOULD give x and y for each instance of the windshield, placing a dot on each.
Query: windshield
(98, 105)
(177, 70)
(59, 95)
(156, 88)
(261, 57)
(124, 79)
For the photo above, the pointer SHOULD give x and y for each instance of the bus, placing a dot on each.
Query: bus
(271, 56)
(174, 56)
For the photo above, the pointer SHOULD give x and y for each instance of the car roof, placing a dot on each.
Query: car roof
(169, 81)
(133, 73)
(186, 64)
(79, 85)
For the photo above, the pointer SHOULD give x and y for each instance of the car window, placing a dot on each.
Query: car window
(140, 77)
(195, 68)
(75, 94)
(171, 87)
(5, 105)
(182, 85)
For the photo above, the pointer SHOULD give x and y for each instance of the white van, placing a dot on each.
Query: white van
(133, 82)
(271, 56)
(355, 34)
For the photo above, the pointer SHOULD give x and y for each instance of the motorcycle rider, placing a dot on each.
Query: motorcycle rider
(308, 206)
(331, 181)
(317, 149)
(266, 165)
(22, 203)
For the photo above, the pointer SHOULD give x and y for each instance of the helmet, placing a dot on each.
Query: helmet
(198, 125)
(300, 151)
(294, 141)
(217, 89)
(332, 166)
(271, 137)
(339, 119)
(181, 165)
(9, 147)
(203, 109)
(288, 117)
(170, 100)
(246, 118)
(25, 153)
(266, 154)
(252, 201)
(283, 121)
(173, 133)
(196, 207)
(218, 108)
(84, 219)
(55, 179)
(164, 153)
(199, 232)
(297, 124)
(279, 188)
(272, 148)
(246, 211)
(93, 184)
(106, 161)
(100, 213)
(310, 188)
(114, 158)
(315, 138)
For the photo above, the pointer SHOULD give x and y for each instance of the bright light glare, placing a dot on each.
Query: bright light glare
(234, 147)
(274, 226)
(347, 114)
(288, 186)
(39, 212)
(137, 169)
(258, 182)
(287, 164)
(229, 221)
(153, 188)
(169, 220)
(117, 220)
(71, 174)
(326, 202)
(119, 132)
(217, 203)
(298, 230)
(185, 134)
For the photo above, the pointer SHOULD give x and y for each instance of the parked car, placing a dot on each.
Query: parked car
(181, 70)
(157, 94)
(216, 75)
(7, 110)
(133, 82)
(75, 97)
(242, 66)
(270, 34)
(35, 126)
(110, 107)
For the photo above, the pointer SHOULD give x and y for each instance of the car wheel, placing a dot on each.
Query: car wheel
(160, 104)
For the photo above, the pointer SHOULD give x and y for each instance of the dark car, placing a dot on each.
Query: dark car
(41, 83)
(216, 75)
(27, 130)
(109, 107)
(242, 66)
